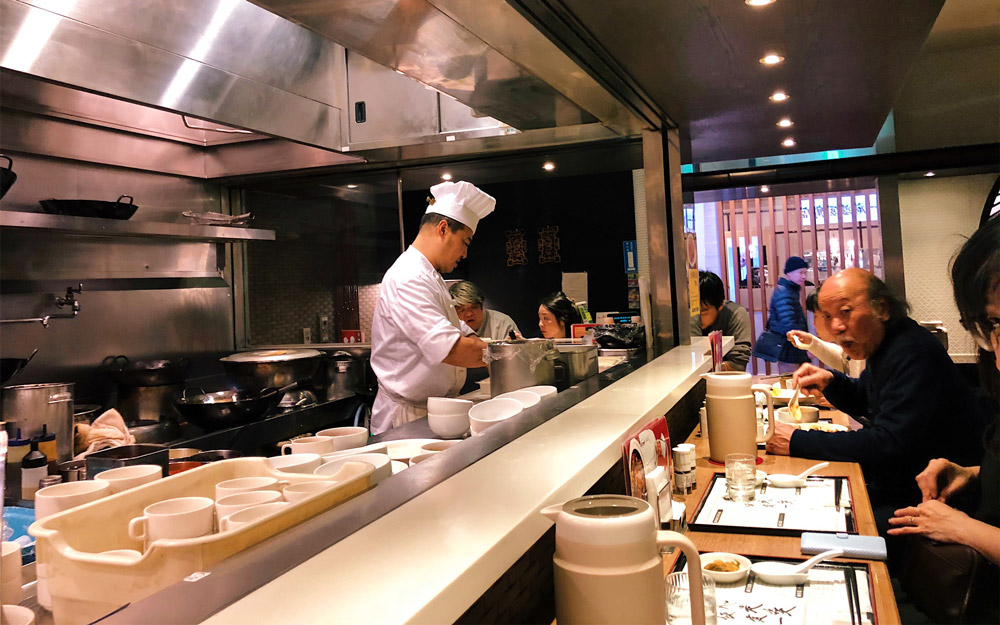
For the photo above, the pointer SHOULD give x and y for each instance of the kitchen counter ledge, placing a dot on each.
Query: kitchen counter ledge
(425, 544)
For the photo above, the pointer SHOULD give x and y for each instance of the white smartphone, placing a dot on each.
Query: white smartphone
(854, 546)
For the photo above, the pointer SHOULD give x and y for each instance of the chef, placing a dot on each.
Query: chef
(420, 348)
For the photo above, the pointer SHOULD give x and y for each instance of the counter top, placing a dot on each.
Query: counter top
(430, 558)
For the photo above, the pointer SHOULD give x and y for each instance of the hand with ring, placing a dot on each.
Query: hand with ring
(937, 521)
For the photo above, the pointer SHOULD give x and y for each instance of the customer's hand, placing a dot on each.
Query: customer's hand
(812, 379)
(933, 519)
(780, 443)
(943, 478)
(802, 340)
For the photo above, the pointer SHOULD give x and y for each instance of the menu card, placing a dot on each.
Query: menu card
(649, 467)
(835, 594)
(779, 511)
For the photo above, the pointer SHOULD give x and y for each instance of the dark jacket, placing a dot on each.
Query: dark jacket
(920, 408)
(785, 313)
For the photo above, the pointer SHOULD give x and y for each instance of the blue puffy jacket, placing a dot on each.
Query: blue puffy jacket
(785, 313)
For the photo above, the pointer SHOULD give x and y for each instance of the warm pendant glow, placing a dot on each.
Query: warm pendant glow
(779, 96)
(445, 176)
(788, 143)
(772, 59)
(548, 166)
(759, 3)
(785, 123)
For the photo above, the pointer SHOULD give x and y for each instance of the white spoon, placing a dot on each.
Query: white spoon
(784, 574)
(783, 480)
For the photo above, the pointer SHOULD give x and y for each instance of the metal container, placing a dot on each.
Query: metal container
(148, 403)
(522, 363)
(344, 376)
(73, 470)
(30, 406)
(126, 456)
(271, 368)
(580, 361)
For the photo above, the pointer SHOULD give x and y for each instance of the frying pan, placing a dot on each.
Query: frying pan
(9, 367)
(92, 208)
(145, 372)
(223, 409)
(7, 176)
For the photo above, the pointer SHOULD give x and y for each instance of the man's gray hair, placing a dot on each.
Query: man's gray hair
(465, 293)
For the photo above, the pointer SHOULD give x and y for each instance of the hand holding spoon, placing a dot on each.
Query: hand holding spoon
(784, 574)
(784, 480)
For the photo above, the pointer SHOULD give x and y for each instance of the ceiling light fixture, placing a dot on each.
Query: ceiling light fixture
(788, 143)
(759, 3)
(784, 122)
(779, 96)
(352, 186)
(445, 176)
(772, 59)
(929, 174)
(765, 189)
(548, 166)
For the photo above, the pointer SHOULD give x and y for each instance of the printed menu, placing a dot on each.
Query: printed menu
(834, 594)
(649, 467)
(822, 505)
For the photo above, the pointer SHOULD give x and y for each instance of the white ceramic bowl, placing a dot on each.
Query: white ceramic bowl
(809, 415)
(448, 426)
(527, 398)
(398, 466)
(405, 448)
(295, 463)
(60, 497)
(725, 577)
(305, 490)
(421, 457)
(448, 406)
(374, 448)
(488, 413)
(433, 448)
(379, 461)
(17, 615)
(543, 390)
(231, 504)
(246, 516)
(346, 438)
(124, 478)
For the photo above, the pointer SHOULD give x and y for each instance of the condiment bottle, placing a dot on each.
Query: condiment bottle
(47, 445)
(34, 467)
(17, 448)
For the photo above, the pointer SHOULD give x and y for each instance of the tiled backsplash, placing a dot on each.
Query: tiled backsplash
(367, 296)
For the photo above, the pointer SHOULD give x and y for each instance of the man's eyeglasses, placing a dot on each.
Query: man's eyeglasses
(982, 330)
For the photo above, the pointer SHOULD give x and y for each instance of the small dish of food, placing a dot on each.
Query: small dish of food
(822, 426)
(725, 568)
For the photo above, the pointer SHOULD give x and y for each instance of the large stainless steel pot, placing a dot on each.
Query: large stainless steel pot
(271, 368)
(521, 363)
(31, 406)
(344, 375)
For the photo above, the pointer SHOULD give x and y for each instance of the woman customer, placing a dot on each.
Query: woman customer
(976, 279)
(785, 314)
(556, 316)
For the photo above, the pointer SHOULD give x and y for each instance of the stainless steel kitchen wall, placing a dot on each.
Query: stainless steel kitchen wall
(142, 296)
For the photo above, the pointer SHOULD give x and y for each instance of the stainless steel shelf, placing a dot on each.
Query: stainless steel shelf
(91, 226)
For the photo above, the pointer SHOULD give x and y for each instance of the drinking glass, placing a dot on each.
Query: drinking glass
(741, 476)
(679, 599)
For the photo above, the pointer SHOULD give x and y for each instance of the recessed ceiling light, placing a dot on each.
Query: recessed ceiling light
(779, 96)
(784, 122)
(445, 176)
(352, 186)
(772, 59)
(788, 143)
(548, 166)
(929, 174)
(759, 3)
(765, 188)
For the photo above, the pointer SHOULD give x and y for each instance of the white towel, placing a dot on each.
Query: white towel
(107, 430)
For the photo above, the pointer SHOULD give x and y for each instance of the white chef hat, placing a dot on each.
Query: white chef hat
(462, 201)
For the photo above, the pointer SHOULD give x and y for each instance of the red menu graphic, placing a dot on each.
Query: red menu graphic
(648, 466)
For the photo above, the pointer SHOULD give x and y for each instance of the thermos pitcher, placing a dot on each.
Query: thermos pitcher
(732, 414)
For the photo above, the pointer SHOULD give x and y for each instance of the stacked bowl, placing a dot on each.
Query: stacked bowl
(486, 414)
(448, 417)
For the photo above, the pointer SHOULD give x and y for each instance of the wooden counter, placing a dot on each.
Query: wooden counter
(787, 546)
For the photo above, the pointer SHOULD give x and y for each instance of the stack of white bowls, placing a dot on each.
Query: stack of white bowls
(10, 573)
(448, 417)
(485, 415)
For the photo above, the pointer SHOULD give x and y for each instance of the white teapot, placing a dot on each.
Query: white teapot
(732, 414)
(608, 563)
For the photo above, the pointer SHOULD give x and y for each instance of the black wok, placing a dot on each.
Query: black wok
(91, 208)
(146, 372)
(9, 367)
(7, 176)
(223, 409)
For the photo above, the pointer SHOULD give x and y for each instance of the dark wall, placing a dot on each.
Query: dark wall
(594, 215)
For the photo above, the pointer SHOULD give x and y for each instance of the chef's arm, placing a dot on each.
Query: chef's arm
(466, 352)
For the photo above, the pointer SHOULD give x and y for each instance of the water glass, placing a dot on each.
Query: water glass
(679, 599)
(741, 476)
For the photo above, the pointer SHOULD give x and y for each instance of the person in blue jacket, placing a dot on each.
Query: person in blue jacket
(785, 312)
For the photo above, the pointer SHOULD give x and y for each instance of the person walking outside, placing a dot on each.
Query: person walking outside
(784, 315)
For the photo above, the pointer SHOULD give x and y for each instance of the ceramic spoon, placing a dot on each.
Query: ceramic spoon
(783, 480)
(783, 574)
(793, 405)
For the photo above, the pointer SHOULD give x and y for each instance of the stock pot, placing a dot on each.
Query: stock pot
(271, 368)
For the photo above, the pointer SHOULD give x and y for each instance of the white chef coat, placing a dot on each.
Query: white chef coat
(414, 327)
(496, 325)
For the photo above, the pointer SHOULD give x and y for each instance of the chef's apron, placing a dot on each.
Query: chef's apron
(402, 410)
